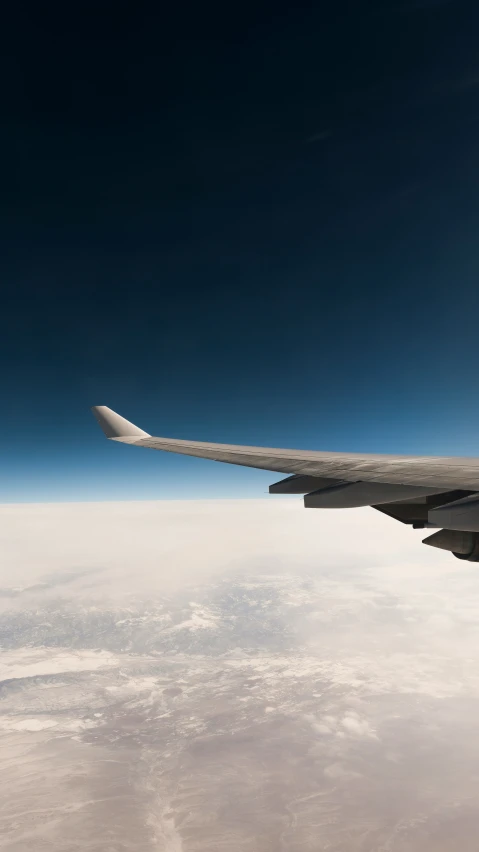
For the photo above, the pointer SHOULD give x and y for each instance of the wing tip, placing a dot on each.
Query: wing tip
(115, 426)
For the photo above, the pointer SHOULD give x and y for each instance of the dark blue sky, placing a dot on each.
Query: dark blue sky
(250, 223)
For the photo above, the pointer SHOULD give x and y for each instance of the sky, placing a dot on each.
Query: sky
(250, 224)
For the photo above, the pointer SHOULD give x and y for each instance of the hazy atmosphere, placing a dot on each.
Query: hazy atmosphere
(234, 675)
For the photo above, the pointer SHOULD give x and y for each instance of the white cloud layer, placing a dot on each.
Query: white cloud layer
(166, 544)
(185, 650)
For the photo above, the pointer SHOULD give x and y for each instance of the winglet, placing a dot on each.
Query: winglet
(115, 426)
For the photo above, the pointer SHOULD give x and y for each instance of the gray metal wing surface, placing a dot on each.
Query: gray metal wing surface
(427, 471)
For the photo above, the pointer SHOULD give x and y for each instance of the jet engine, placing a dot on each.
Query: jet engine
(462, 545)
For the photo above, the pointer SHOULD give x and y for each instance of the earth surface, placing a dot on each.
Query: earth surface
(274, 705)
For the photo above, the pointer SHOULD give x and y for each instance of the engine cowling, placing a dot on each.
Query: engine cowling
(462, 544)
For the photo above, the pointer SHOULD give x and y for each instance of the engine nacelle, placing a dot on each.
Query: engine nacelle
(462, 544)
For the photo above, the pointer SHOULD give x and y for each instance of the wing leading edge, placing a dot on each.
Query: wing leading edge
(424, 491)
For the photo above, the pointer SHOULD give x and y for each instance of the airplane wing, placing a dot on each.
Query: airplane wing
(418, 490)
